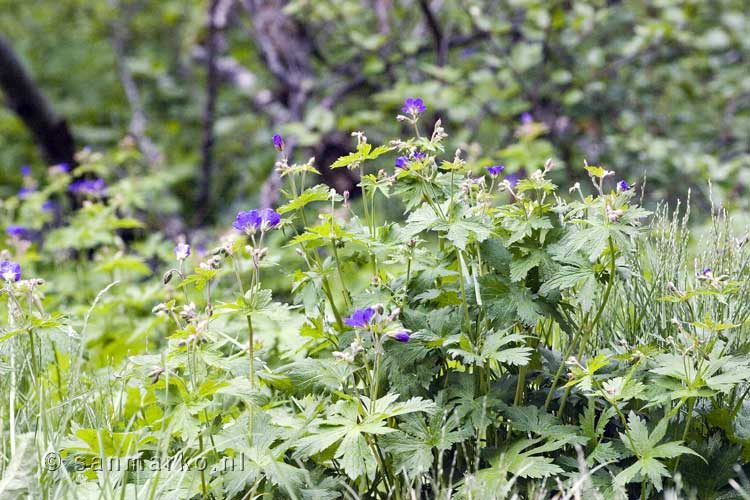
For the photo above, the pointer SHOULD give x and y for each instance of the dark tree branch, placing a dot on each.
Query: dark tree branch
(203, 200)
(232, 71)
(441, 49)
(138, 120)
(50, 131)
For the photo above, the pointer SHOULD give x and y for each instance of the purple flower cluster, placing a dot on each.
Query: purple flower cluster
(10, 271)
(495, 171)
(91, 187)
(256, 220)
(623, 186)
(403, 161)
(361, 318)
(414, 106)
(278, 142)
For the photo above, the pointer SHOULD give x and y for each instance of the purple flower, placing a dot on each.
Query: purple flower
(24, 192)
(527, 118)
(512, 179)
(278, 142)
(15, 231)
(623, 186)
(49, 206)
(414, 106)
(182, 251)
(90, 187)
(402, 162)
(61, 168)
(10, 271)
(252, 221)
(495, 171)
(401, 336)
(706, 273)
(270, 218)
(26, 170)
(360, 318)
(247, 222)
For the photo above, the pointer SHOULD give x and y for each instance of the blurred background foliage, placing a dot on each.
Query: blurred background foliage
(659, 89)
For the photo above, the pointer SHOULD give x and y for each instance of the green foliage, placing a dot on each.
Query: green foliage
(655, 90)
(499, 338)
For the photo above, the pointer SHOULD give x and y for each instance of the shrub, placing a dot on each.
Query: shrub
(503, 338)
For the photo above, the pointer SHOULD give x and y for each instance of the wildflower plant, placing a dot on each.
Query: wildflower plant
(501, 337)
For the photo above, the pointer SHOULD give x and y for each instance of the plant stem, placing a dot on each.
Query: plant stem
(688, 420)
(251, 358)
(590, 329)
(467, 319)
(518, 399)
(567, 354)
(203, 472)
(34, 365)
(347, 298)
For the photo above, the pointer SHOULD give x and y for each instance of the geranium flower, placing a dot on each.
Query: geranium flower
(24, 192)
(10, 271)
(402, 162)
(91, 187)
(495, 171)
(182, 251)
(414, 106)
(360, 318)
(401, 336)
(15, 231)
(254, 220)
(512, 179)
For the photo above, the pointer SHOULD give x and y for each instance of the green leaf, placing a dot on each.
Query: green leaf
(519, 268)
(321, 192)
(596, 171)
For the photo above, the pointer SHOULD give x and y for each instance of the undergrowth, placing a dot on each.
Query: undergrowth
(503, 338)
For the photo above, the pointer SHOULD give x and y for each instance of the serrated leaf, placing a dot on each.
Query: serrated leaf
(321, 192)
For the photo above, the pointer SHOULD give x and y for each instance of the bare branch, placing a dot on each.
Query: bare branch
(138, 120)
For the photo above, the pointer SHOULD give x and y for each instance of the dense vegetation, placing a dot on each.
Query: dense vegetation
(400, 250)
(503, 338)
(656, 89)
